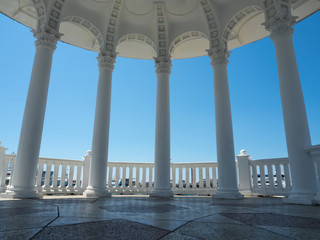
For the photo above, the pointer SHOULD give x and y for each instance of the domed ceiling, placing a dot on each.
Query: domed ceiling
(139, 28)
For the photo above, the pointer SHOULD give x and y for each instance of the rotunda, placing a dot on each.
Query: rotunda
(162, 30)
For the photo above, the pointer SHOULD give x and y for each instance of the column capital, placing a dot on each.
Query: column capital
(45, 39)
(107, 59)
(163, 64)
(218, 56)
(278, 18)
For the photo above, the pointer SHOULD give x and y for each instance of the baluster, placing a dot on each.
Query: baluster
(173, 178)
(270, 176)
(150, 177)
(200, 177)
(130, 176)
(262, 177)
(70, 186)
(78, 185)
(287, 176)
(214, 177)
(39, 176)
(117, 179)
(12, 172)
(46, 186)
(208, 177)
(137, 176)
(194, 177)
(4, 170)
(144, 176)
(279, 176)
(110, 187)
(62, 187)
(55, 186)
(180, 177)
(187, 177)
(255, 176)
(124, 176)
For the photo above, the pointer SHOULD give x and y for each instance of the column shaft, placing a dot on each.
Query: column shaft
(303, 173)
(100, 142)
(162, 138)
(23, 179)
(227, 182)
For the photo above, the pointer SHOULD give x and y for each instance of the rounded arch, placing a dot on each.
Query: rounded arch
(189, 44)
(136, 45)
(90, 37)
(239, 30)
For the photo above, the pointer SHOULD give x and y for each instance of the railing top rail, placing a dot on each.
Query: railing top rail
(195, 164)
(270, 160)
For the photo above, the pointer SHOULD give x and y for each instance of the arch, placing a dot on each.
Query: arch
(192, 38)
(88, 26)
(238, 21)
(140, 41)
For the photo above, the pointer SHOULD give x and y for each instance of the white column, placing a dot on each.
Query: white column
(162, 138)
(100, 142)
(303, 173)
(227, 182)
(23, 182)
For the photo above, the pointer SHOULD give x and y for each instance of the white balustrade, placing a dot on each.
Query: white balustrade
(270, 176)
(265, 177)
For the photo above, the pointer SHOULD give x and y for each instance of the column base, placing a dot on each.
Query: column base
(300, 198)
(316, 199)
(3, 189)
(245, 192)
(161, 193)
(227, 194)
(20, 193)
(92, 192)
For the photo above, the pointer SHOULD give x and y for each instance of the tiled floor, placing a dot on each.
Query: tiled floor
(139, 217)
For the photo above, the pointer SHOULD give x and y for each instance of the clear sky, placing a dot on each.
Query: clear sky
(254, 91)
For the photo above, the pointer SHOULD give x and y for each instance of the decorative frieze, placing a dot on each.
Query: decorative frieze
(162, 30)
(107, 59)
(278, 16)
(110, 37)
(163, 64)
(214, 35)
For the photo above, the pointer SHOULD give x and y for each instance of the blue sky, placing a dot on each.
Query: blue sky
(254, 91)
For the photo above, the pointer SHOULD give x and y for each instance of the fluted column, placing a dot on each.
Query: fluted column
(162, 139)
(100, 141)
(23, 179)
(303, 172)
(227, 181)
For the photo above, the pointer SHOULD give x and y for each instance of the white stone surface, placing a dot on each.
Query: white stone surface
(100, 142)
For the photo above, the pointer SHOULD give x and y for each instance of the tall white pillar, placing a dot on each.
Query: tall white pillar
(162, 139)
(303, 172)
(227, 180)
(100, 142)
(23, 182)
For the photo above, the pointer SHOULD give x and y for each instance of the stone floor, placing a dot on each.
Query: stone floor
(139, 217)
